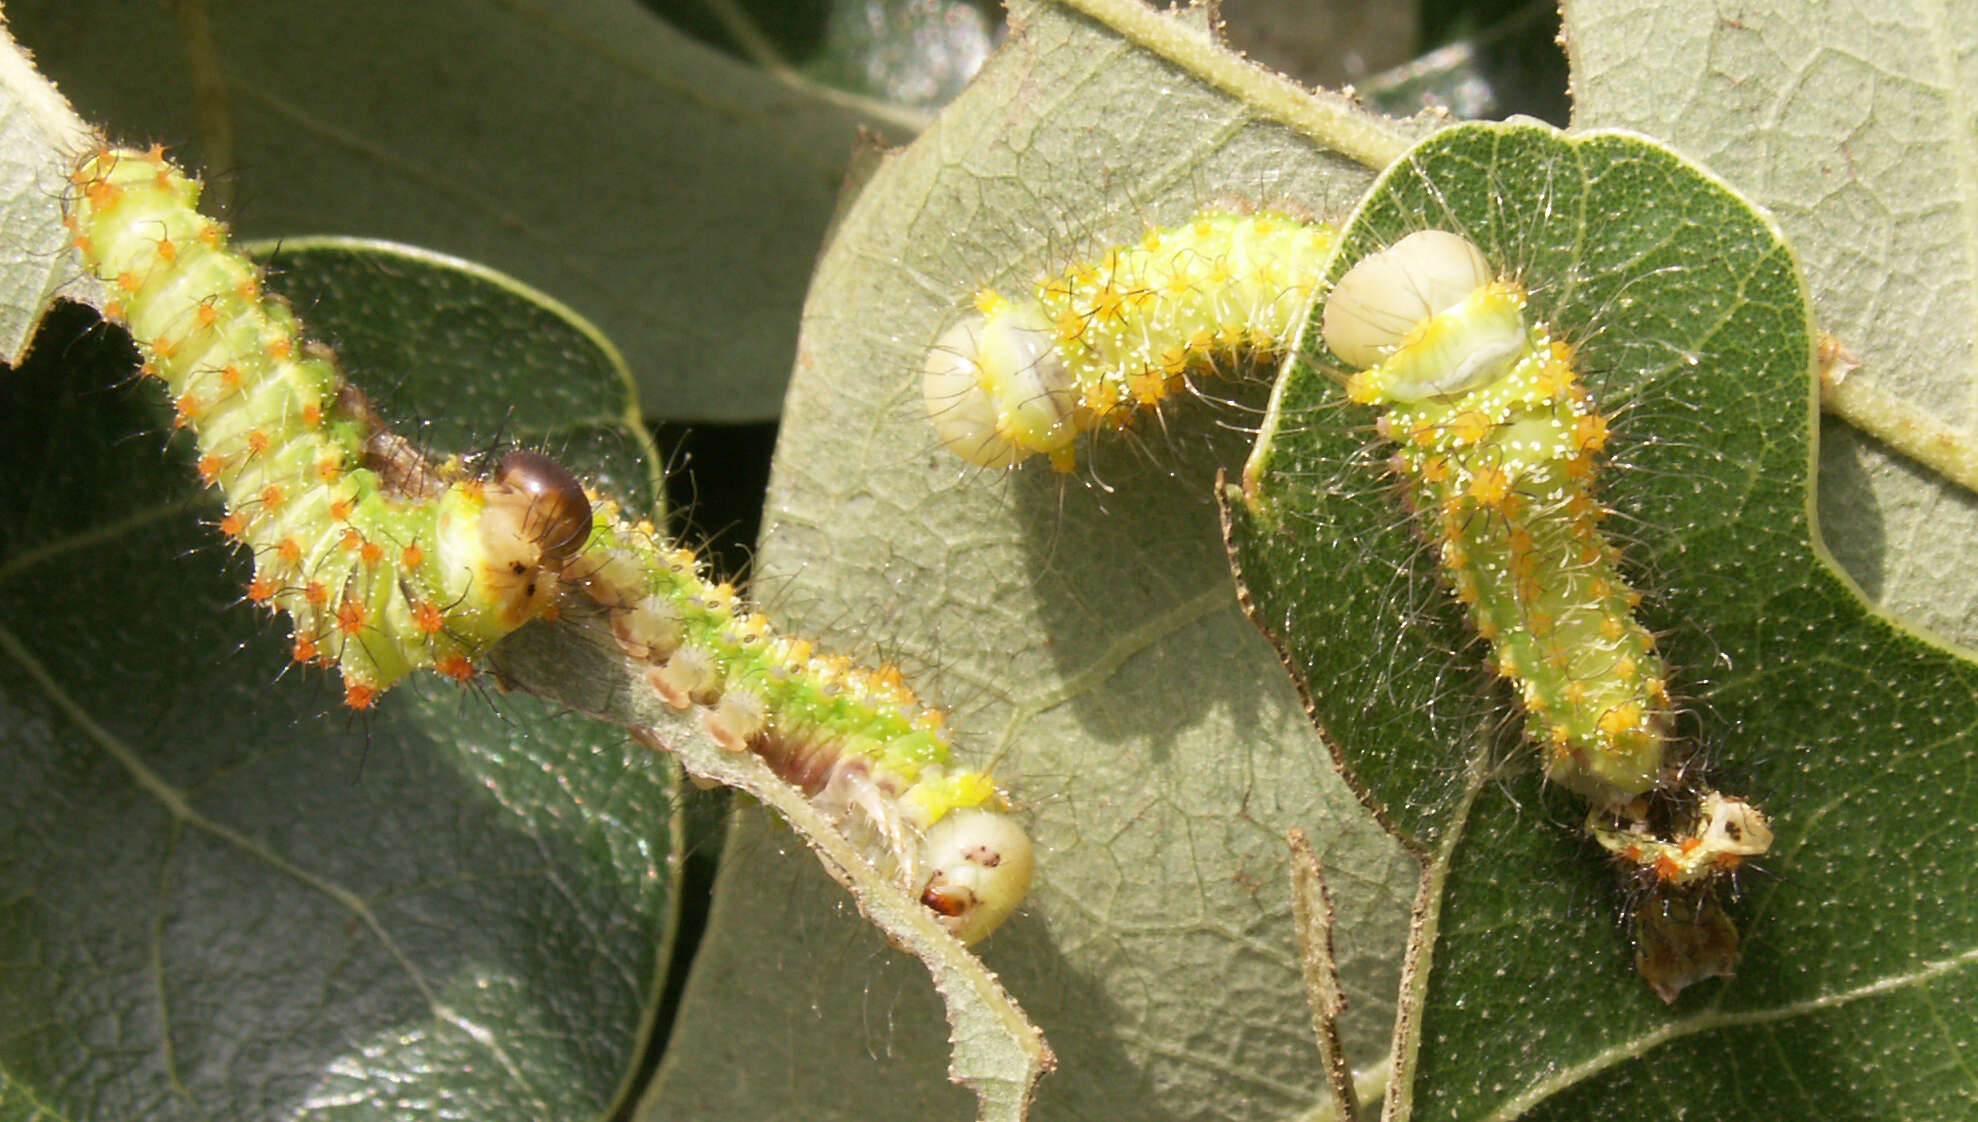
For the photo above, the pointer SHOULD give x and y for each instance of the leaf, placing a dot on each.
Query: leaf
(1853, 127)
(34, 122)
(220, 894)
(671, 194)
(1083, 630)
(916, 54)
(1689, 318)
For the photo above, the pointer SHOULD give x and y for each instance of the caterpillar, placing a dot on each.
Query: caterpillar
(386, 563)
(1102, 342)
(383, 563)
(856, 741)
(1499, 444)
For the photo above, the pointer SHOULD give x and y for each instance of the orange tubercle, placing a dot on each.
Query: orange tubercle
(351, 616)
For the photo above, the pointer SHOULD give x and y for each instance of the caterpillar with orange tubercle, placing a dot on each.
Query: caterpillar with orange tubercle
(1499, 444)
(1105, 341)
(383, 563)
(386, 563)
(856, 741)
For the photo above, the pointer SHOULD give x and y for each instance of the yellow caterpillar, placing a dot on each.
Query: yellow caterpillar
(1106, 340)
(386, 564)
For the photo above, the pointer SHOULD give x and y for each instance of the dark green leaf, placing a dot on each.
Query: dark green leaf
(1852, 127)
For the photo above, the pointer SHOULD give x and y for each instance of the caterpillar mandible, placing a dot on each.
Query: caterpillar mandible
(1499, 444)
(387, 563)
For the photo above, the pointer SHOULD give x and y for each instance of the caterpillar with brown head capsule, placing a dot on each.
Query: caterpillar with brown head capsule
(1499, 445)
(383, 562)
(387, 563)
(1103, 342)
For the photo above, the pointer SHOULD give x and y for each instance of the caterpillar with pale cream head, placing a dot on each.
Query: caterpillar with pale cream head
(1499, 443)
(1102, 342)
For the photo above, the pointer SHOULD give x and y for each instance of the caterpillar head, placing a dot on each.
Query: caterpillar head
(996, 388)
(1732, 827)
(1425, 319)
(555, 513)
(980, 865)
(511, 537)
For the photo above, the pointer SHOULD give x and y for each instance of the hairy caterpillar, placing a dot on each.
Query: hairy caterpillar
(382, 563)
(1094, 345)
(856, 741)
(1499, 441)
(386, 563)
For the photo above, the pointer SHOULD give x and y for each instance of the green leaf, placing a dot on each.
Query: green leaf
(221, 895)
(669, 193)
(1690, 322)
(1853, 127)
(1083, 630)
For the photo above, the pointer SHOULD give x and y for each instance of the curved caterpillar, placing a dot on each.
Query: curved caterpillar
(386, 563)
(383, 564)
(1499, 442)
(1095, 345)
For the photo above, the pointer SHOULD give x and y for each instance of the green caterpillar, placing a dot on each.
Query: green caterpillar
(386, 563)
(856, 741)
(1096, 345)
(382, 565)
(1499, 443)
